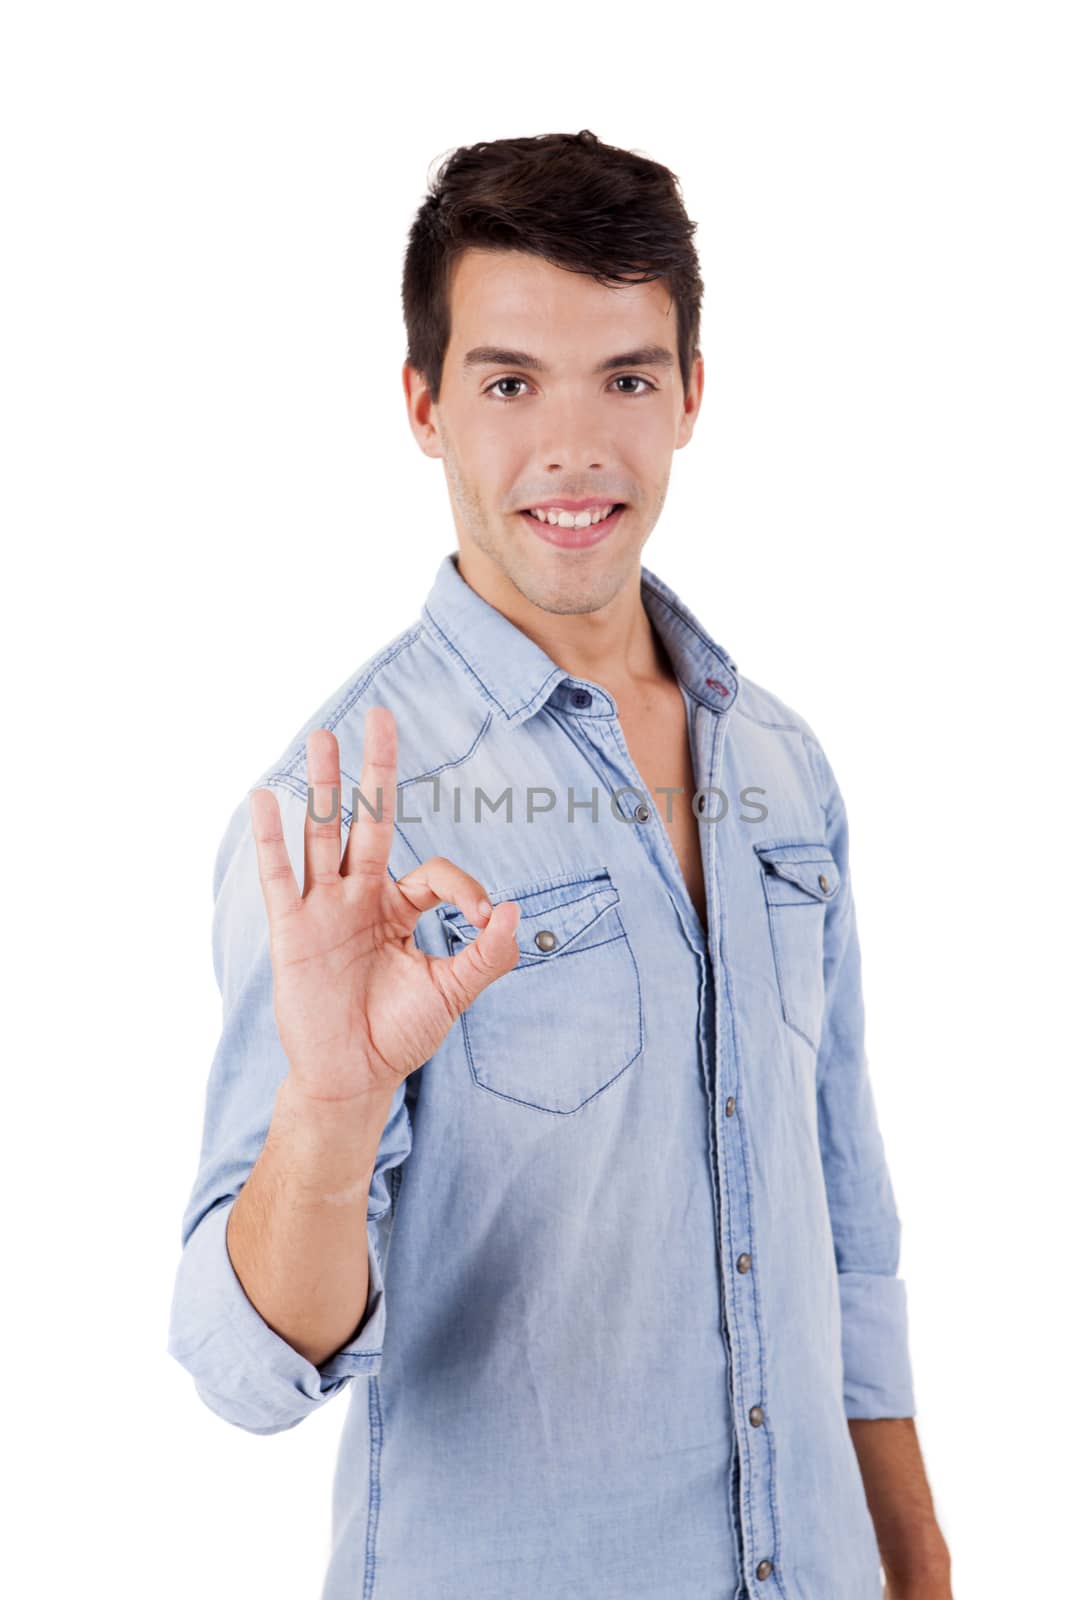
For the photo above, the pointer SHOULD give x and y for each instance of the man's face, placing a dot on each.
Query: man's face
(514, 435)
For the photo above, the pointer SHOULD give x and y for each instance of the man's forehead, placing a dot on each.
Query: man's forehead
(509, 299)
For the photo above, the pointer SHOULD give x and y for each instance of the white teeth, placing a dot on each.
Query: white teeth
(570, 519)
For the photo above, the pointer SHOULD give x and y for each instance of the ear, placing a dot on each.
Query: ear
(421, 411)
(691, 407)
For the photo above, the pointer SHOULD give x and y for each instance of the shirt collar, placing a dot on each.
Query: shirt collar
(516, 677)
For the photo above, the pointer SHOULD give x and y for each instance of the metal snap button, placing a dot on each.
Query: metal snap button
(545, 939)
(744, 1262)
(824, 882)
(642, 813)
(764, 1569)
(730, 1103)
(702, 802)
(755, 1416)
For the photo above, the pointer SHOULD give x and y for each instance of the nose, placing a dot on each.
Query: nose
(572, 441)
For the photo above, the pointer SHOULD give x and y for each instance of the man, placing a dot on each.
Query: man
(559, 1053)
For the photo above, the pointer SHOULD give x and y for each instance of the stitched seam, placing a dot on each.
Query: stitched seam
(720, 926)
(730, 1287)
(528, 962)
(776, 727)
(813, 749)
(457, 761)
(767, 851)
(453, 650)
(374, 1491)
(403, 643)
(704, 639)
(233, 1317)
(757, 1317)
(779, 969)
(584, 745)
(458, 920)
(287, 777)
(539, 886)
(553, 1110)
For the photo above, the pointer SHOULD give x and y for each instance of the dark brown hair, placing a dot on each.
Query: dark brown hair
(583, 205)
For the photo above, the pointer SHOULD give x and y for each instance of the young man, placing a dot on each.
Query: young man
(564, 1041)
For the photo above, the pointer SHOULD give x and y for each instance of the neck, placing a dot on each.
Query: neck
(614, 645)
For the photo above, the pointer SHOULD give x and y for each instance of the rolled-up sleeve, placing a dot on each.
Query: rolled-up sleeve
(243, 1370)
(863, 1213)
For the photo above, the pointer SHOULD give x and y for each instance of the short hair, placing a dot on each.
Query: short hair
(582, 205)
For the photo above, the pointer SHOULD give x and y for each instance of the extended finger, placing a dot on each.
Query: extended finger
(370, 834)
(281, 892)
(322, 825)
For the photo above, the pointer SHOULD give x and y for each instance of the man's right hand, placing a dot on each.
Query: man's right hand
(358, 1005)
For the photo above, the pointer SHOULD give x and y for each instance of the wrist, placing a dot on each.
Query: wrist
(925, 1567)
(325, 1150)
(322, 1112)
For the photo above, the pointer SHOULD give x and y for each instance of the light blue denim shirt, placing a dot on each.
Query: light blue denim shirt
(632, 1242)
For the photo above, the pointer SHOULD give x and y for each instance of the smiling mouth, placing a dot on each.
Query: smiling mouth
(568, 530)
(574, 519)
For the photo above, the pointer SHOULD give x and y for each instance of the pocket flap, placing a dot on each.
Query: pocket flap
(563, 907)
(809, 867)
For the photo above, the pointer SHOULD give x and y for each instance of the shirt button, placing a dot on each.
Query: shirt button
(744, 1262)
(765, 1568)
(642, 813)
(545, 940)
(755, 1416)
(702, 802)
(824, 882)
(581, 697)
(730, 1103)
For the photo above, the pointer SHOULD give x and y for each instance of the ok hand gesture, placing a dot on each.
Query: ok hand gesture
(358, 1005)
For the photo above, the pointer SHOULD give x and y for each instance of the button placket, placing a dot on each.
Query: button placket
(754, 1495)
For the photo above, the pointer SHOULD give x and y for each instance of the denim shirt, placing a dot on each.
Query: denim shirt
(632, 1239)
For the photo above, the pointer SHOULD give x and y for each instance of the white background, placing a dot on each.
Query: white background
(214, 511)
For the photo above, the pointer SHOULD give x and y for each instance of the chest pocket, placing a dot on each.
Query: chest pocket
(565, 1023)
(799, 881)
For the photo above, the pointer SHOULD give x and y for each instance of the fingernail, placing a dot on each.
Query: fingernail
(485, 908)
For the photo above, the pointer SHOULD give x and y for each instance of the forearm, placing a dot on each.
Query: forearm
(911, 1544)
(297, 1232)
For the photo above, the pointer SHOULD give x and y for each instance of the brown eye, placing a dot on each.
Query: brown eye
(505, 398)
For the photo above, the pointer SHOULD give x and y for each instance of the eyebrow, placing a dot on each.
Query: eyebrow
(489, 355)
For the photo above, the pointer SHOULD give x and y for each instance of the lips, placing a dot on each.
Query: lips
(574, 538)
